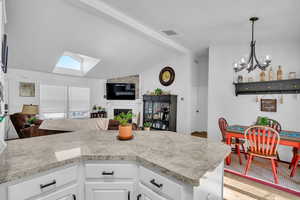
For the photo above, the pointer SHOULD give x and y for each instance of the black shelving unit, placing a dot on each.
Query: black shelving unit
(160, 111)
(291, 86)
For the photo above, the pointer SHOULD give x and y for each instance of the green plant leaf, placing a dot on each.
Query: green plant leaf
(124, 118)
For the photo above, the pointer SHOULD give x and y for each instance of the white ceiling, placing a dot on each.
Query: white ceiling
(201, 22)
(39, 31)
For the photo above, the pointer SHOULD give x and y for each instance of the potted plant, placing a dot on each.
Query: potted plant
(147, 126)
(262, 121)
(94, 108)
(125, 128)
(32, 120)
(158, 91)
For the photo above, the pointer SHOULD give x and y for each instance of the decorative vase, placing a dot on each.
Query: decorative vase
(292, 75)
(146, 128)
(125, 132)
(240, 79)
(262, 76)
(279, 73)
(270, 74)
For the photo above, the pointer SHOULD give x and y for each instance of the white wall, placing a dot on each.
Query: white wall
(222, 101)
(181, 87)
(15, 76)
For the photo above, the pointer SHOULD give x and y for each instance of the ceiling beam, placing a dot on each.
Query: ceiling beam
(114, 13)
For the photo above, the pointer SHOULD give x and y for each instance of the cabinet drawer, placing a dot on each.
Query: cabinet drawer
(67, 193)
(37, 186)
(109, 171)
(160, 184)
(145, 193)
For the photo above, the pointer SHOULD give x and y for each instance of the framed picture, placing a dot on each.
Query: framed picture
(167, 76)
(268, 105)
(27, 89)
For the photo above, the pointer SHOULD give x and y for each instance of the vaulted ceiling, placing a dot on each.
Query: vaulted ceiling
(40, 31)
(201, 22)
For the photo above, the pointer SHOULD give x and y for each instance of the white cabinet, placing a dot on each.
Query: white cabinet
(69, 193)
(112, 181)
(211, 185)
(109, 191)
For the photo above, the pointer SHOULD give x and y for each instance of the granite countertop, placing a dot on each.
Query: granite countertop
(186, 158)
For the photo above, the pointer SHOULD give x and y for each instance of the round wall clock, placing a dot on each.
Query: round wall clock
(167, 76)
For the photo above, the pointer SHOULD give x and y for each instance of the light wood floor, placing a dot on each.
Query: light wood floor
(239, 188)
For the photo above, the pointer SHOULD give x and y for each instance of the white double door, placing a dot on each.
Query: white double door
(109, 191)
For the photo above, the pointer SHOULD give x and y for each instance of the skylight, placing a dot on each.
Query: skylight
(75, 64)
(69, 63)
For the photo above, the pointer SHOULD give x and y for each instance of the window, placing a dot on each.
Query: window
(53, 102)
(79, 102)
(59, 102)
(75, 64)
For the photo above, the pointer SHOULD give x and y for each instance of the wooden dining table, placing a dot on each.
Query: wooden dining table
(287, 138)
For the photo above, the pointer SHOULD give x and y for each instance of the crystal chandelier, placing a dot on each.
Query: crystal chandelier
(252, 62)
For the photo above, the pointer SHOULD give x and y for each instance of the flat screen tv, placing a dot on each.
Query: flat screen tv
(120, 91)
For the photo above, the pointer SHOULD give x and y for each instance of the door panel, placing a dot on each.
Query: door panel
(109, 191)
(106, 194)
(196, 110)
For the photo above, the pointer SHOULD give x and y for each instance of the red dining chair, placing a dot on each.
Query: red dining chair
(295, 161)
(237, 143)
(275, 125)
(262, 142)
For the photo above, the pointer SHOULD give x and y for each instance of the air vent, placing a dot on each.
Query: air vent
(169, 32)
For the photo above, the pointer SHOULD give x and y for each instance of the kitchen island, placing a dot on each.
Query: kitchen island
(94, 165)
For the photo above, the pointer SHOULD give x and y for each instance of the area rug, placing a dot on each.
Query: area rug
(261, 171)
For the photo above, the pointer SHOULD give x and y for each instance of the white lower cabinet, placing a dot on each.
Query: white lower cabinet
(69, 193)
(112, 181)
(109, 191)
